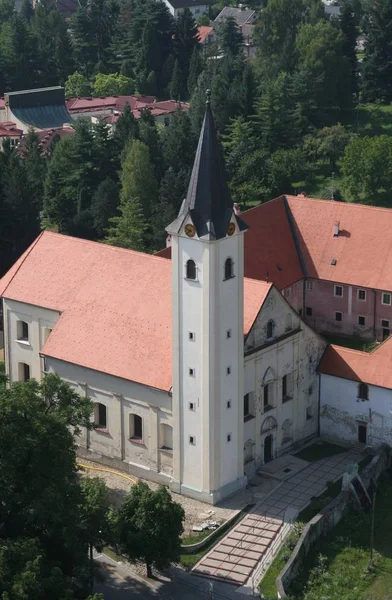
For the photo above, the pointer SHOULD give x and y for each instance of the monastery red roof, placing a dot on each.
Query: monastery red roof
(102, 292)
(368, 367)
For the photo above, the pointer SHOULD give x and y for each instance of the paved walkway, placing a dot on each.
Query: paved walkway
(237, 555)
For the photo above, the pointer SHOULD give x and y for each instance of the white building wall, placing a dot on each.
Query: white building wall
(341, 411)
(293, 352)
(38, 320)
(197, 10)
(122, 398)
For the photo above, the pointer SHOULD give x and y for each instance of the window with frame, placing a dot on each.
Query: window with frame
(24, 371)
(361, 321)
(385, 323)
(270, 330)
(229, 268)
(135, 427)
(191, 269)
(309, 285)
(361, 294)
(100, 416)
(248, 406)
(309, 311)
(268, 396)
(386, 299)
(287, 387)
(338, 290)
(338, 316)
(22, 331)
(287, 292)
(363, 391)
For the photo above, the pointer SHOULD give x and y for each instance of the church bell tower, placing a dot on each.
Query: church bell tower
(207, 241)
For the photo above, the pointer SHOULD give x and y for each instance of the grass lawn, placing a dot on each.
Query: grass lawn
(336, 568)
(188, 540)
(354, 343)
(319, 450)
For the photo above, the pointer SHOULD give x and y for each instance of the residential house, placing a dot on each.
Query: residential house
(9, 131)
(198, 374)
(197, 7)
(245, 19)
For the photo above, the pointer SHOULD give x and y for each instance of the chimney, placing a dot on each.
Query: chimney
(336, 228)
(236, 208)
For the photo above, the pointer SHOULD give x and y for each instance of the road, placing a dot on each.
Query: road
(120, 582)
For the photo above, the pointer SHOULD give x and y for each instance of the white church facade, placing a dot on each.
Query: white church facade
(198, 375)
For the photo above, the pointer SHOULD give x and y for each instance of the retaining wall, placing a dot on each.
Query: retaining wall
(324, 521)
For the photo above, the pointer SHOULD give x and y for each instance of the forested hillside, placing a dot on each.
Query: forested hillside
(310, 113)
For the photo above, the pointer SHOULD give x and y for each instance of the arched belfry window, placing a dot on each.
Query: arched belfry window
(191, 269)
(229, 268)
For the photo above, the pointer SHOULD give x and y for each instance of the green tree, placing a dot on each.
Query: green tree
(230, 38)
(195, 68)
(376, 70)
(113, 84)
(320, 50)
(349, 19)
(178, 142)
(104, 204)
(35, 169)
(176, 84)
(137, 177)
(286, 168)
(328, 143)
(77, 86)
(148, 526)
(42, 546)
(276, 31)
(367, 170)
(129, 227)
(94, 510)
(186, 40)
(126, 128)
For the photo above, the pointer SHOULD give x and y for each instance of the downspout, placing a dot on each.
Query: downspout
(374, 314)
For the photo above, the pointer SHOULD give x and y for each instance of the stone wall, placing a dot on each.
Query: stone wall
(324, 521)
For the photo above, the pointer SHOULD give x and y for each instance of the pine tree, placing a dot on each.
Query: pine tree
(185, 41)
(104, 204)
(376, 72)
(128, 229)
(35, 169)
(195, 68)
(126, 128)
(349, 21)
(176, 85)
(230, 38)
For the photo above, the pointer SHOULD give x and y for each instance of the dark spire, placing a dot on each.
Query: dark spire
(208, 199)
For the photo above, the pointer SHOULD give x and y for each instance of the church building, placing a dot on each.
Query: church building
(198, 374)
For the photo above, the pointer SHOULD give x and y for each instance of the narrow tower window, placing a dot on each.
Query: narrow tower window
(191, 269)
(229, 271)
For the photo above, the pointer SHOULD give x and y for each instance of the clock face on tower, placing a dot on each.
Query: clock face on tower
(231, 229)
(190, 230)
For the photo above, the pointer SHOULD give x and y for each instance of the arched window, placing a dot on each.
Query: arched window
(229, 268)
(268, 425)
(100, 420)
(166, 437)
(270, 329)
(363, 391)
(135, 427)
(191, 269)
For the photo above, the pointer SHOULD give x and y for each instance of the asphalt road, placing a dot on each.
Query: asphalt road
(119, 582)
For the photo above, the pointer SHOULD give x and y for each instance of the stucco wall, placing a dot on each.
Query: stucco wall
(296, 353)
(341, 412)
(38, 319)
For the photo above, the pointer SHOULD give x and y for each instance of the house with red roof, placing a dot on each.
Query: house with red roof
(198, 374)
(356, 394)
(329, 259)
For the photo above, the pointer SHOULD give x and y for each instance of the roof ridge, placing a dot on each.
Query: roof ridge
(339, 202)
(261, 282)
(352, 350)
(282, 196)
(102, 244)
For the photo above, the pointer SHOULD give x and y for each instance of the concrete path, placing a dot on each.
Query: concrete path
(237, 555)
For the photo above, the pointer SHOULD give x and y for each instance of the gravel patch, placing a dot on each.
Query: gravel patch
(195, 511)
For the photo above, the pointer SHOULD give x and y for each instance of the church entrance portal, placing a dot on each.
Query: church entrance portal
(268, 448)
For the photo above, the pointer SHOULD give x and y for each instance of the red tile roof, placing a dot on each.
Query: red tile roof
(115, 305)
(108, 102)
(373, 368)
(10, 132)
(203, 32)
